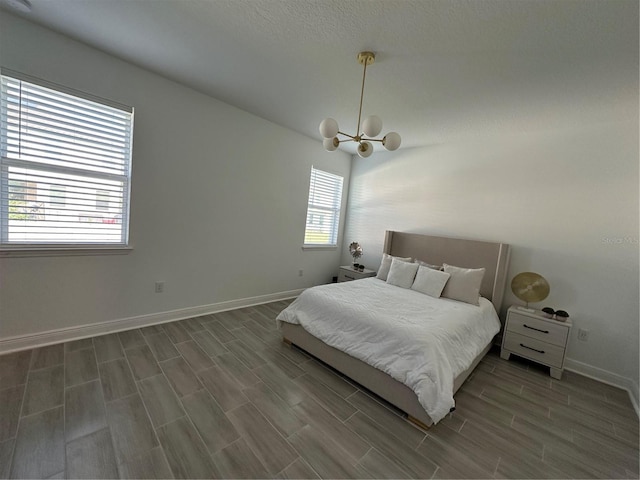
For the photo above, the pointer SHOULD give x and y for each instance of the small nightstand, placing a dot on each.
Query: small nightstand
(537, 338)
(348, 273)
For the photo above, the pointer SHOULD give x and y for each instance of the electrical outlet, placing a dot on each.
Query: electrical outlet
(583, 335)
(159, 287)
(300, 273)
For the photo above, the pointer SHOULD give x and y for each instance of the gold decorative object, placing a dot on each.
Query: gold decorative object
(530, 287)
(356, 251)
(371, 127)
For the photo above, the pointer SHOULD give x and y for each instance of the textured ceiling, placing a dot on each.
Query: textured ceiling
(445, 69)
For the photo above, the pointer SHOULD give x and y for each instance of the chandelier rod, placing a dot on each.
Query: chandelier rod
(364, 74)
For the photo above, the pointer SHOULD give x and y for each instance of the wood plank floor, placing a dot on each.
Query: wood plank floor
(221, 396)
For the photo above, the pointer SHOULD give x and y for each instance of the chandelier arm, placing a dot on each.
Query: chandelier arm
(373, 139)
(346, 135)
(364, 74)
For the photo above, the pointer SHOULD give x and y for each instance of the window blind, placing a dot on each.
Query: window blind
(323, 211)
(65, 167)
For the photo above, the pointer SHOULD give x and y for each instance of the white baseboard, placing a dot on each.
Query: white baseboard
(605, 376)
(41, 339)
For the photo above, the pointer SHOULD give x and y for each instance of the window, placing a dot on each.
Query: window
(65, 166)
(323, 212)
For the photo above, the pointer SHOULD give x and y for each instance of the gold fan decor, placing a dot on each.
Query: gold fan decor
(529, 287)
(356, 252)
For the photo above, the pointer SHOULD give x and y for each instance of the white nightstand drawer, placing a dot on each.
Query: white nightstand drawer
(347, 274)
(546, 331)
(551, 355)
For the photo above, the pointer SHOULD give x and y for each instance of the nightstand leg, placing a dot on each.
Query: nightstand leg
(504, 354)
(555, 373)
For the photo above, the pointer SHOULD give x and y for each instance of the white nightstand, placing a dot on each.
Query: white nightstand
(348, 273)
(537, 338)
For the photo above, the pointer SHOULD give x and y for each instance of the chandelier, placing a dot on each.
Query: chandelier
(371, 127)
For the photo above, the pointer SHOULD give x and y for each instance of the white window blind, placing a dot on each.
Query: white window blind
(59, 153)
(323, 212)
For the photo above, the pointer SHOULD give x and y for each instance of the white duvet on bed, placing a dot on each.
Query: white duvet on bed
(421, 341)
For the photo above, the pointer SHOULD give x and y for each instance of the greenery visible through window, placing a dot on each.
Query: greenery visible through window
(65, 163)
(323, 211)
(17, 200)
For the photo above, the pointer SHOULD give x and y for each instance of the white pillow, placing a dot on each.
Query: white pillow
(385, 265)
(430, 265)
(464, 284)
(402, 273)
(430, 281)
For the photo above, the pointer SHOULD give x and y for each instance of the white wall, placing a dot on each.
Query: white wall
(566, 201)
(218, 200)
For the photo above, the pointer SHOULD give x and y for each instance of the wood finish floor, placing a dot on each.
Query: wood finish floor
(222, 396)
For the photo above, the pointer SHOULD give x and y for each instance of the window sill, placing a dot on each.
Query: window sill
(319, 247)
(62, 251)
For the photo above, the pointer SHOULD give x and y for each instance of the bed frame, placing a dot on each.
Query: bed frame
(494, 257)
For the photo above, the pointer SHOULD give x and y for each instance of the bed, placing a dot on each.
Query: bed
(351, 310)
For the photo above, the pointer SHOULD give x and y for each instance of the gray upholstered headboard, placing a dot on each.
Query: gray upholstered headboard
(494, 257)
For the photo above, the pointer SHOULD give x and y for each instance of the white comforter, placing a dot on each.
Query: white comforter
(421, 341)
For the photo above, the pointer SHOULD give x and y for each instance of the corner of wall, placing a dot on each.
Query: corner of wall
(610, 378)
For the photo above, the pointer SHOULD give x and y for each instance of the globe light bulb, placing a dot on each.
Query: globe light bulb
(391, 141)
(365, 149)
(372, 126)
(330, 144)
(328, 128)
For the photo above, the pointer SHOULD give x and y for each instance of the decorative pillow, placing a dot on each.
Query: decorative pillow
(429, 265)
(385, 265)
(402, 273)
(430, 281)
(464, 284)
